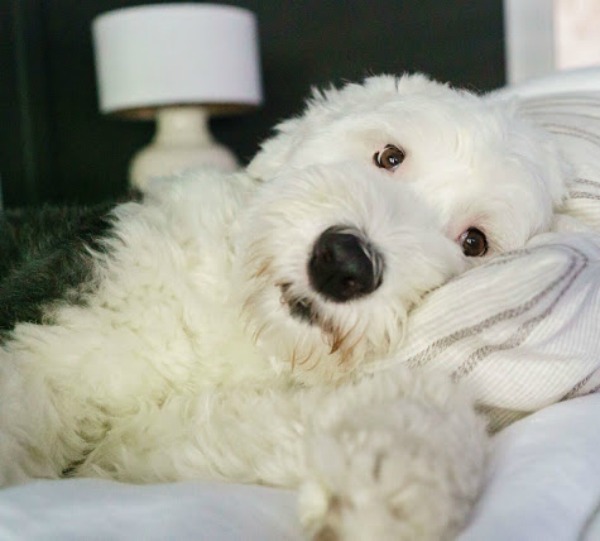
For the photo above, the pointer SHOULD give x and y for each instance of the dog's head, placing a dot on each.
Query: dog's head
(491, 178)
(330, 259)
(378, 193)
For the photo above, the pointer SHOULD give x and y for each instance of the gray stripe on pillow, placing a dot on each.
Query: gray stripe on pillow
(439, 346)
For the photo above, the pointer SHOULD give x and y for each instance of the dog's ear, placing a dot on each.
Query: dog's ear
(534, 145)
(275, 151)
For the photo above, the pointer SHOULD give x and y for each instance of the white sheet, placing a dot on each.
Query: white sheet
(544, 478)
(98, 510)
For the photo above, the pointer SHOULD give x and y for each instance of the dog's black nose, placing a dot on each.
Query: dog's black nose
(343, 266)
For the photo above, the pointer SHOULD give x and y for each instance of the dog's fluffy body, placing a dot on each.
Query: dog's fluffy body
(200, 348)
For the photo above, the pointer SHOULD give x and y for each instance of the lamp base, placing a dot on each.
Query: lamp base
(182, 142)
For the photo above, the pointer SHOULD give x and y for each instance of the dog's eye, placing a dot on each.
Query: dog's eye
(389, 158)
(473, 242)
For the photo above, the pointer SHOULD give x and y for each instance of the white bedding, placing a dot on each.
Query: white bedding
(544, 479)
(98, 510)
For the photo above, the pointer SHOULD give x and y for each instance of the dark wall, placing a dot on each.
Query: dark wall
(56, 147)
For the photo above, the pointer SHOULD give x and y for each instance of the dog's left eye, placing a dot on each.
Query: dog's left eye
(473, 242)
(389, 158)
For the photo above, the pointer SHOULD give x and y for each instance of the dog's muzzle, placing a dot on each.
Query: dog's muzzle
(344, 265)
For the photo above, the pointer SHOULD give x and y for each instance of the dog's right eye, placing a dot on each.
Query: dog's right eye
(389, 158)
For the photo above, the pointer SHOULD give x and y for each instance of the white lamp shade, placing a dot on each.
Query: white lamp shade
(177, 54)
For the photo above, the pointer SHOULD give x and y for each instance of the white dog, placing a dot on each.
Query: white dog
(214, 330)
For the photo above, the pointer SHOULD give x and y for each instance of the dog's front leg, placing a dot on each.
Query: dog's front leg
(400, 456)
(395, 456)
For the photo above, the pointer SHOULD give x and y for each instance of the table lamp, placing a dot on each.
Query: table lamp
(179, 64)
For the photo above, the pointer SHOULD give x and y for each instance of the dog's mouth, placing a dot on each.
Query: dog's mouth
(301, 308)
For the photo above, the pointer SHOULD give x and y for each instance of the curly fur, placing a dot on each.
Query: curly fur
(201, 349)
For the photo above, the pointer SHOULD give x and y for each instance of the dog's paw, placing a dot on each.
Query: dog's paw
(368, 488)
(399, 478)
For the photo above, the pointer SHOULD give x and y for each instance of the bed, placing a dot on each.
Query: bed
(540, 326)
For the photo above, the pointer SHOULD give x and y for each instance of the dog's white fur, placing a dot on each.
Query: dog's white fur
(185, 362)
